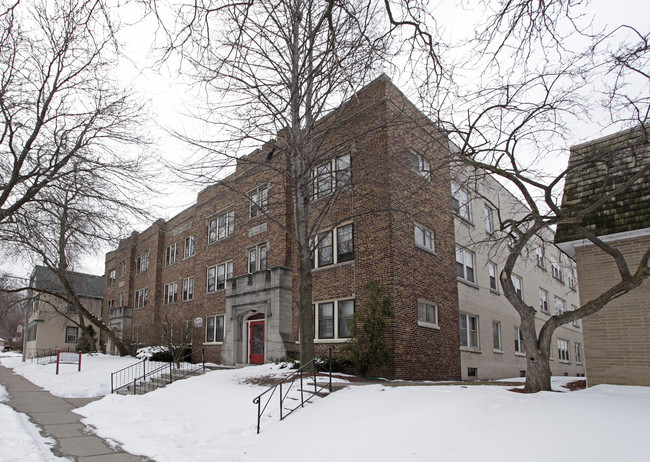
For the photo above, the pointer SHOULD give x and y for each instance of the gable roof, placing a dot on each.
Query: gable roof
(599, 167)
(85, 285)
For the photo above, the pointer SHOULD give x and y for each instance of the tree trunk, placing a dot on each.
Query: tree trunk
(538, 373)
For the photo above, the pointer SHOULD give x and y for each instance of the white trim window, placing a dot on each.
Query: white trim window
(519, 285)
(335, 173)
(259, 200)
(189, 247)
(560, 306)
(460, 202)
(343, 171)
(221, 226)
(420, 165)
(492, 271)
(578, 351)
(489, 219)
(334, 319)
(465, 265)
(342, 240)
(539, 255)
(71, 334)
(142, 263)
(171, 254)
(575, 323)
(110, 304)
(468, 331)
(257, 257)
(571, 279)
(111, 277)
(556, 268)
(188, 289)
(214, 329)
(520, 346)
(217, 276)
(122, 266)
(423, 238)
(543, 300)
(496, 336)
(140, 298)
(170, 293)
(427, 314)
(563, 350)
(120, 299)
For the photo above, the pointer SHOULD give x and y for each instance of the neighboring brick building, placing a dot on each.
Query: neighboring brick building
(51, 319)
(228, 260)
(617, 344)
(491, 343)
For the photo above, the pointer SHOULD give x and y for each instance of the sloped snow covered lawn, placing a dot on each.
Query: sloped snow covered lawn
(213, 418)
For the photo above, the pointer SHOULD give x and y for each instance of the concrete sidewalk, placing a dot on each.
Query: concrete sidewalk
(55, 417)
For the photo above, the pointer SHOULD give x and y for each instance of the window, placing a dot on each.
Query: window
(171, 254)
(520, 346)
(496, 335)
(71, 309)
(217, 276)
(578, 350)
(468, 331)
(111, 277)
(341, 239)
(120, 299)
(563, 349)
(465, 265)
(489, 220)
(539, 254)
(334, 320)
(257, 258)
(214, 329)
(110, 305)
(335, 172)
(343, 171)
(560, 306)
(324, 179)
(420, 165)
(556, 268)
(122, 268)
(171, 293)
(423, 238)
(460, 201)
(573, 283)
(575, 323)
(142, 263)
(188, 289)
(543, 300)
(259, 200)
(472, 371)
(427, 314)
(71, 334)
(140, 299)
(188, 249)
(492, 270)
(221, 226)
(519, 286)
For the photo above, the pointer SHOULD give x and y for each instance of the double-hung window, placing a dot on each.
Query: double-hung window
(218, 275)
(122, 266)
(334, 319)
(556, 268)
(140, 299)
(334, 246)
(489, 220)
(110, 304)
(188, 289)
(142, 263)
(578, 350)
(111, 277)
(170, 293)
(257, 256)
(468, 331)
(460, 201)
(423, 238)
(343, 173)
(560, 306)
(221, 226)
(543, 300)
(71, 334)
(496, 336)
(214, 329)
(520, 346)
(465, 265)
(539, 254)
(519, 285)
(575, 323)
(492, 270)
(563, 350)
(427, 314)
(171, 254)
(420, 165)
(120, 299)
(188, 249)
(259, 200)
(335, 172)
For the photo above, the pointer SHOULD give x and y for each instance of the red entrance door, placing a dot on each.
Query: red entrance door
(256, 342)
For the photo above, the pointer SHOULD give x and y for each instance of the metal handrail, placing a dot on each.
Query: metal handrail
(291, 379)
(144, 380)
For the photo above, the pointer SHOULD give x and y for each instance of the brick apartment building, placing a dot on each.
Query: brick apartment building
(228, 261)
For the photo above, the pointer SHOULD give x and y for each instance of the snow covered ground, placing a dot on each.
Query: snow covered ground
(212, 417)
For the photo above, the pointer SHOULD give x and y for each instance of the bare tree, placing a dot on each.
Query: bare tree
(12, 309)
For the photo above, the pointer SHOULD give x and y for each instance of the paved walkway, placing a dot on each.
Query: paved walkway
(55, 417)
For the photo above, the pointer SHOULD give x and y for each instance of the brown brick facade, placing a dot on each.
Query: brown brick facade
(378, 130)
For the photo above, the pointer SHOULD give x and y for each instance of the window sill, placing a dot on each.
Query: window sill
(212, 343)
(217, 290)
(188, 257)
(471, 350)
(495, 292)
(467, 283)
(564, 361)
(335, 265)
(522, 355)
(463, 219)
(428, 325)
(426, 249)
(498, 351)
(331, 340)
